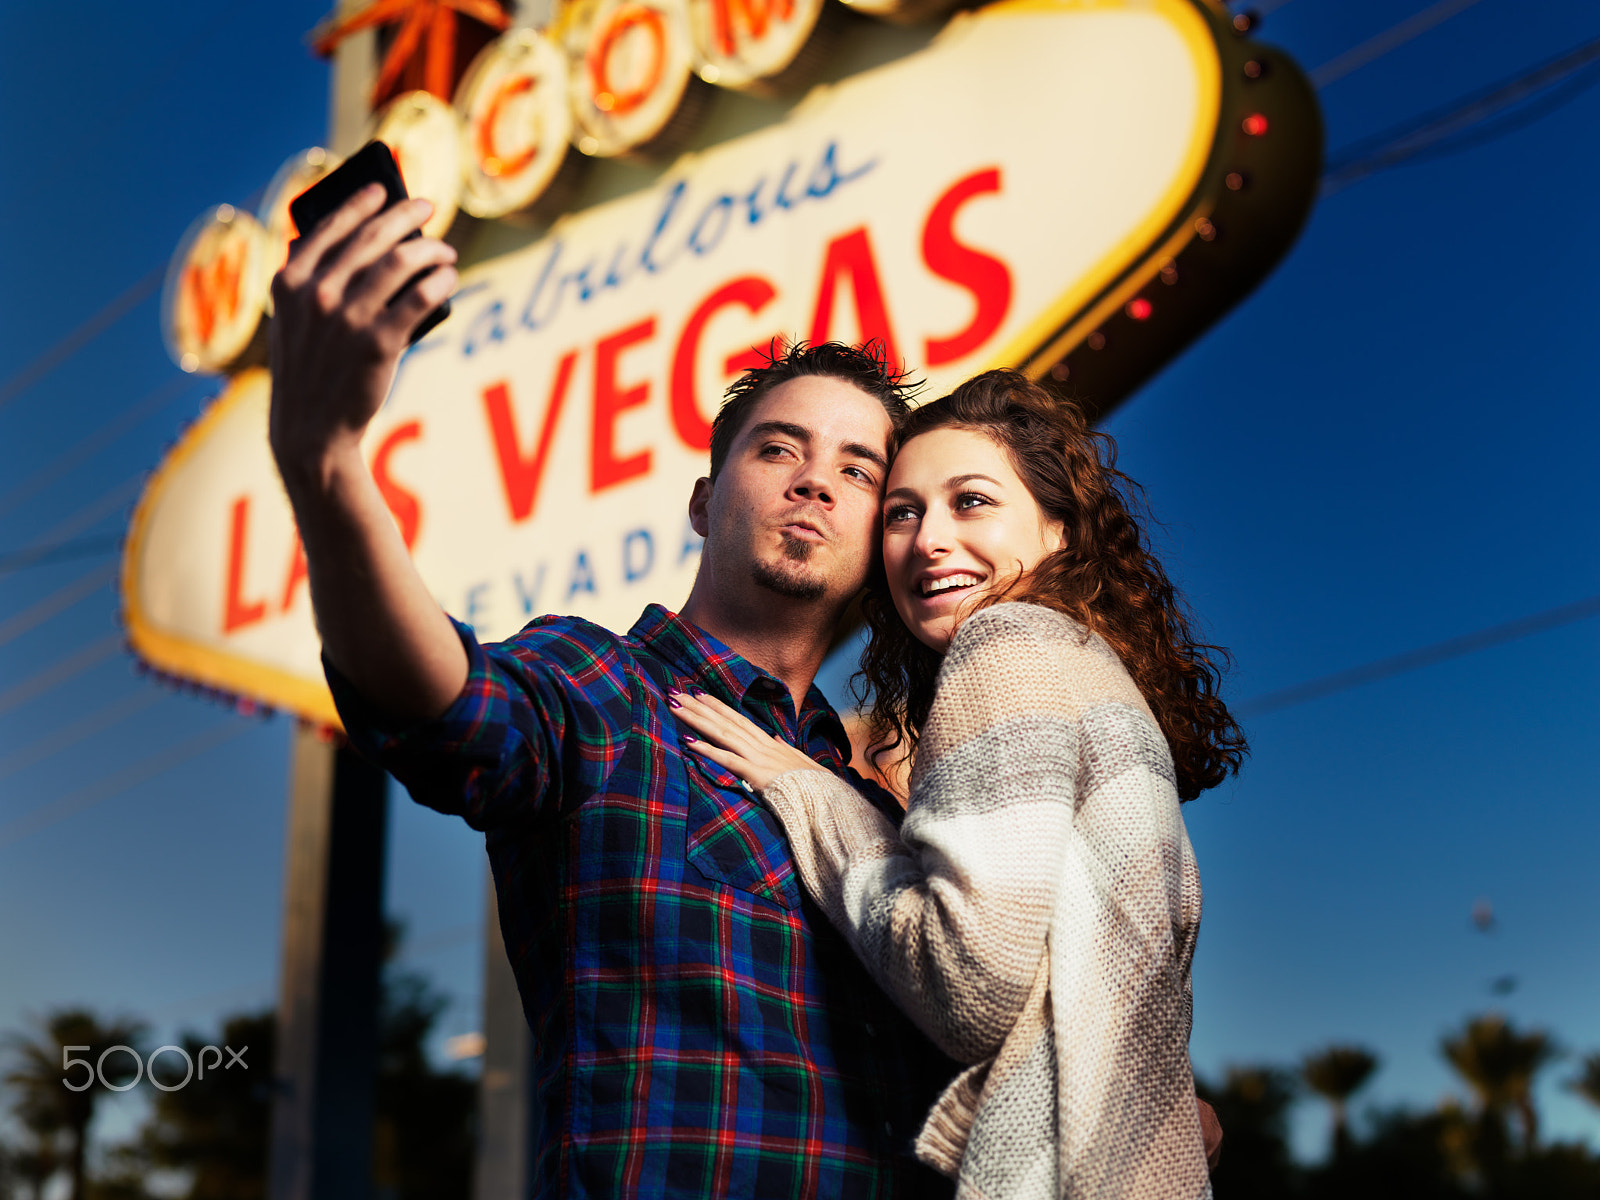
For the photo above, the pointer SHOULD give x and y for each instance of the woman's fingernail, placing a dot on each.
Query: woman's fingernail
(696, 692)
(689, 737)
(672, 699)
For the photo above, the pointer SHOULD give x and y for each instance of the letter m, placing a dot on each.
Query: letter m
(754, 14)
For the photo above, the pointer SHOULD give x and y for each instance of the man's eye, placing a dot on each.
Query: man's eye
(774, 450)
(858, 473)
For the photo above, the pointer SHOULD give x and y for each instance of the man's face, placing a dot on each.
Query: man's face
(795, 510)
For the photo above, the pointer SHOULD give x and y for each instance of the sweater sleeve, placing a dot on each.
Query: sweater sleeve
(951, 915)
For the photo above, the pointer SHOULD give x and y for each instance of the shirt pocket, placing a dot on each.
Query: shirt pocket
(733, 841)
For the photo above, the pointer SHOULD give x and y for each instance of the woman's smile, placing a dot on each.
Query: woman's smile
(957, 522)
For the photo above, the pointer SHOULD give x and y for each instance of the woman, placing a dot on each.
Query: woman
(1036, 913)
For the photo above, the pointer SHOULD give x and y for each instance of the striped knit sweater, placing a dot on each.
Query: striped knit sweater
(1036, 915)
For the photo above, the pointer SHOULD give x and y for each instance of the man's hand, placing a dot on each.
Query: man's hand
(335, 342)
(335, 338)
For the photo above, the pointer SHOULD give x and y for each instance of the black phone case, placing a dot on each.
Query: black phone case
(373, 163)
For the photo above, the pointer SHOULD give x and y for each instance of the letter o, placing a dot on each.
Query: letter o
(188, 1068)
(606, 98)
(100, 1065)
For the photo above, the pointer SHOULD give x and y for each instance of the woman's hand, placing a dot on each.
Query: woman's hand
(735, 741)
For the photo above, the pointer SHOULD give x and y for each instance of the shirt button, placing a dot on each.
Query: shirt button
(870, 1031)
(888, 1128)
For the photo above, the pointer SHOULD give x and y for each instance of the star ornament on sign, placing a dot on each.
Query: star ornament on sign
(422, 56)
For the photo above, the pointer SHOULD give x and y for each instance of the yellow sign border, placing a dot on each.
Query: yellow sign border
(1136, 257)
(167, 652)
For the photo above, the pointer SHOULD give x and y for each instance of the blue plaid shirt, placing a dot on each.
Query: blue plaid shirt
(699, 1027)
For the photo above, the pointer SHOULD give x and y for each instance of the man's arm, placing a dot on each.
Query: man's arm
(335, 344)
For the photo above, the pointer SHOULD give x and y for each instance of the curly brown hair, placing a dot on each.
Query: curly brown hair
(1105, 577)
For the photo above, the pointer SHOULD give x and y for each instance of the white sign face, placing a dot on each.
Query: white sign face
(538, 449)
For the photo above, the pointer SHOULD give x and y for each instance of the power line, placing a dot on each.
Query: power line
(1413, 660)
(80, 730)
(1471, 121)
(58, 538)
(102, 506)
(60, 671)
(80, 337)
(87, 447)
(40, 556)
(1390, 39)
(55, 811)
(57, 601)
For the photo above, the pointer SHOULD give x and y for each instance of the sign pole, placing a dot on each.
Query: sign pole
(506, 1099)
(326, 1071)
(332, 956)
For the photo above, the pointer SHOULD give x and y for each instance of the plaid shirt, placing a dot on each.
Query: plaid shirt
(700, 1029)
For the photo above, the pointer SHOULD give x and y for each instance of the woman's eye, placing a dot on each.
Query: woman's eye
(969, 500)
(901, 512)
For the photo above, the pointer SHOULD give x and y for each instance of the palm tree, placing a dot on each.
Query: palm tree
(1500, 1065)
(1336, 1074)
(216, 1128)
(47, 1108)
(1587, 1084)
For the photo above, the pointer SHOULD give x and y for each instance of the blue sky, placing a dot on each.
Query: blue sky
(1383, 448)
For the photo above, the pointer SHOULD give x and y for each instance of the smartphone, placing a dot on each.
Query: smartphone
(373, 163)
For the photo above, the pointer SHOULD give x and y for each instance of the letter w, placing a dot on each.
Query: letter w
(519, 473)
(213, 286)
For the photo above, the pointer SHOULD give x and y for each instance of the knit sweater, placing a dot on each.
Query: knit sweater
(1035, 915)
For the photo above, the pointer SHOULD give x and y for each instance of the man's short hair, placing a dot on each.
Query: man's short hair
(865, 367)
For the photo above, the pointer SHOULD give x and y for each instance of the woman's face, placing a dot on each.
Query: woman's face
(958, 523)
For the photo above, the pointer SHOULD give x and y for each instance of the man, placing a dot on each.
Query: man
(699, 1028)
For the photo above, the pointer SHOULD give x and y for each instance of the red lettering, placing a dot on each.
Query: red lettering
(756, 14)
(490, 158)
(850, 256)
(520, 475)
(406, 508)
(213, 286)
(610, 401)
(751, 291)
(608, 98)
(237, 612)
(296, 575)
(986, 277)
(756, 356)
(403, 504)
